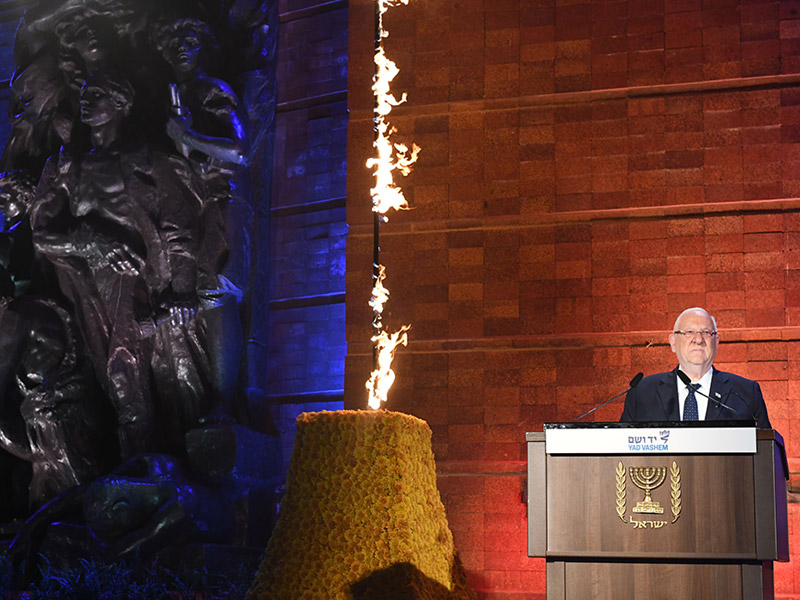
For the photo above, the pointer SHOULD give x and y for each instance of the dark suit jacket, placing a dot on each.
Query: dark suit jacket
(656, 399)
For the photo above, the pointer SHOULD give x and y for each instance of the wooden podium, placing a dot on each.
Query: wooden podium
(657, 510)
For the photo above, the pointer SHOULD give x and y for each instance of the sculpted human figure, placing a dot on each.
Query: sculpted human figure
(53, 414)
(149, 502)
(16, 251)
(119, 225)
(87, 44)
(91, 40)
(44, 104)
(210, 123)
(37, 89)
(209, 127)
(16, 194)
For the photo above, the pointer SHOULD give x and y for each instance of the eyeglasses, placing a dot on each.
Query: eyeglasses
(690, 333)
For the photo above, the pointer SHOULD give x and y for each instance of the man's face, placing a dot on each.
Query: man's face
(694, 352)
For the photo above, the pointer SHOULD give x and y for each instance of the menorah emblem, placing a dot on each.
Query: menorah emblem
(648, 479)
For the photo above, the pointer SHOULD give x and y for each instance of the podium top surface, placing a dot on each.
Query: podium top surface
(704, 437)
(650, 424)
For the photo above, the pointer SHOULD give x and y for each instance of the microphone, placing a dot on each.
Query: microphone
(634, 382)
(685, 379)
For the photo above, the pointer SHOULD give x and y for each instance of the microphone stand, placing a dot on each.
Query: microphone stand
(634, 382)
(685, 379)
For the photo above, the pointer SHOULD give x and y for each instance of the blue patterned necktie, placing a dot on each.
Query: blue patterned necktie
(690, 406)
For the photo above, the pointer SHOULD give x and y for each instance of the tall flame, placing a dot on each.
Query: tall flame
(380, 295)
(382, 378)
(391, 157)
(385, 195)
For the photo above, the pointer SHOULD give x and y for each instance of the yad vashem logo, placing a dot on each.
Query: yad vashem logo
(648, 480)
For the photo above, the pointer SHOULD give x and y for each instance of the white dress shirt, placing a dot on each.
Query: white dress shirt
(701, 394)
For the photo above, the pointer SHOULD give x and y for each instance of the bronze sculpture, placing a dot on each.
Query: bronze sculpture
(125, 276)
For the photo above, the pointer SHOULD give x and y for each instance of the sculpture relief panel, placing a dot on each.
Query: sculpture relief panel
(126, 253)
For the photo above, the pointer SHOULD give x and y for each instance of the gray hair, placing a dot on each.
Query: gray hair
(695, 309)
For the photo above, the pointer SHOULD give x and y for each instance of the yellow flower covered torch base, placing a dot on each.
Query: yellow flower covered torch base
(362, 518)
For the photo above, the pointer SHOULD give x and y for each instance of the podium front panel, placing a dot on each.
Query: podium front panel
(651, 506)
(634, 581)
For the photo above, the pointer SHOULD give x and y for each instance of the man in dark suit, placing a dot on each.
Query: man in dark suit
(665, 397)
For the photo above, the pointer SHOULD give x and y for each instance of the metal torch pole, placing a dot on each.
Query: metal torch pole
(376, 218)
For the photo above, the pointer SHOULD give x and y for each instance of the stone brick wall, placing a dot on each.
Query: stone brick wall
(588, 170)
(308, 230)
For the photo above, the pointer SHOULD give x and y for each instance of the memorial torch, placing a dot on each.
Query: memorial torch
(386, 195)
